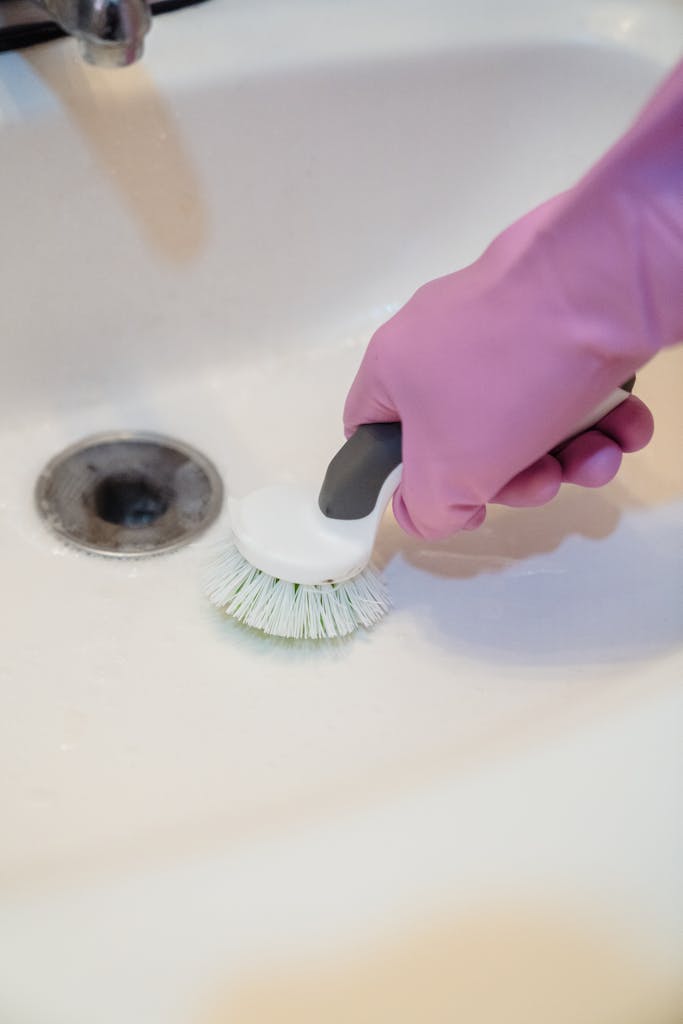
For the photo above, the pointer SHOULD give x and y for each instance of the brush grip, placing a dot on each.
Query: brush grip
(359, 470)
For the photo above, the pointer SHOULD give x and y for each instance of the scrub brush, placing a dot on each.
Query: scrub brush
(298, 564)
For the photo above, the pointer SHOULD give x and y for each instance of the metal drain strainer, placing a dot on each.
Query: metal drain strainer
(129, 494)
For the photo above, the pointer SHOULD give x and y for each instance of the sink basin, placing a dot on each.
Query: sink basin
(200, 246)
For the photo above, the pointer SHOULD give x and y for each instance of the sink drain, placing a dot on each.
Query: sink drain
(129, 494)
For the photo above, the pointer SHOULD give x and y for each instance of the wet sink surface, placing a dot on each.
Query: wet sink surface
(204, 253)
(120, 674)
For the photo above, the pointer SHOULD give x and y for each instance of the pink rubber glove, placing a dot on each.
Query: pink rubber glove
(490, 368)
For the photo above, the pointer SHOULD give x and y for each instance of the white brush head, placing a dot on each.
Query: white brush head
(297, 611)
(281, 531)
(293, 572)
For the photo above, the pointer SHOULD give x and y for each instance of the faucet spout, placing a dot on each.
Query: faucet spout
(111, 33)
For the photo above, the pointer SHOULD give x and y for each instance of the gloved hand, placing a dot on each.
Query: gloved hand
(490, 368)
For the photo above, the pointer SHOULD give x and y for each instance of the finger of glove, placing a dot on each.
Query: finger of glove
(631, 424)
(590, 460)
(536, 485)
(368, 400)
(475, 520)
(438, 522)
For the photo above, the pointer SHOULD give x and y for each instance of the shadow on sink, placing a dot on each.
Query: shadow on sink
(507, 538)
(527, 587)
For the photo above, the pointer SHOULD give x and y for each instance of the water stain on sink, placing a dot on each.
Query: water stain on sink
(499, 966)
(135, 139)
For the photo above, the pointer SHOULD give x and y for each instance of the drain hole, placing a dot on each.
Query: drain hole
(129, 494)
(128, 500)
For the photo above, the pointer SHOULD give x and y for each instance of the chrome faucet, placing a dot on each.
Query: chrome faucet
(111, 33)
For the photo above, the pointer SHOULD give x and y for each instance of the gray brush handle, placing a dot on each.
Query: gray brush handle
(357, 473)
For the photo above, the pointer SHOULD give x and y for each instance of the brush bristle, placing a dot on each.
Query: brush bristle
(294, 610)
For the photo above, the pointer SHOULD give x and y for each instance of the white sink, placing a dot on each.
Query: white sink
(192, 815)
